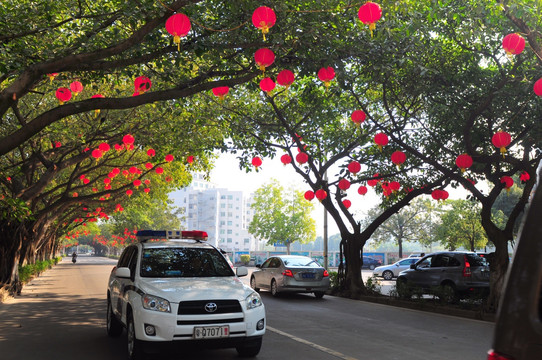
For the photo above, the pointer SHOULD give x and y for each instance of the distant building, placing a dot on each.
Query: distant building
(225, 215)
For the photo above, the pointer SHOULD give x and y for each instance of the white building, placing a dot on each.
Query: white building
(225, 215)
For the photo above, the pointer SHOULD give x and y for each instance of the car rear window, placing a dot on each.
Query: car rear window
(183, 262)
(475, 260)
(300, 262)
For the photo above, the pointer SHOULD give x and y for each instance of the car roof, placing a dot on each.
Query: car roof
(175, 244)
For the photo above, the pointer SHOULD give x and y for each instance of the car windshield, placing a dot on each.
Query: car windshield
(183, 262)
(300, 262)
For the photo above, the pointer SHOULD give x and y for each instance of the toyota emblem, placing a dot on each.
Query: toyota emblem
(210, 307)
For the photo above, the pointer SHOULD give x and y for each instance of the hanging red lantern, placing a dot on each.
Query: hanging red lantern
(362, 190)
(507, 181)
(394, 186)
(264, 58)
(76, 87)
(286, 159)
(190, 159)
(369, 13)
(354, 167)
(264, 18)
(320, 194)
(513, 44)
(257, 162)
(302, 158)
(178, 25)
(104, 147)
(168, 158)
(537, 87)
(374, 181)
(159, 170)
(129, 192)
(267, 84)
(439, 194)
(52, 76)
(221, 91)
(463, 161)
(137, 183)
(97, 153)
(142, 84)
(147, 190)
(148, 166)
(524, 177)
(343, 184)
(381, 140)
(501, 139)
(151, 152)
(326, 75)
(128, 139)
(63, 94)
(398, 158)
(285, 78)
(347, 203)
(358, 117)
(107, 181)
(309, 195)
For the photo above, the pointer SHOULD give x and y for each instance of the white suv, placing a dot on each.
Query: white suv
(182, 292)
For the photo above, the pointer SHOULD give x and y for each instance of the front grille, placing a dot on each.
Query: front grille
(198, 307)
(208, 322)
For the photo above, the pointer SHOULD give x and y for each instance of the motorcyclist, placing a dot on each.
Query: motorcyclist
(74, 257)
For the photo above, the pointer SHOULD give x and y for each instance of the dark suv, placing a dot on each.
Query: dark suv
(450, 275)
(370, 263)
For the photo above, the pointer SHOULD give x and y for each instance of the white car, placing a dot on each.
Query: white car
(182, 292)
(388, 272)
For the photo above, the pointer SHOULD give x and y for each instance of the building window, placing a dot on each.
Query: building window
(222, 222)
(230, 197)
(230, 240)
(247, 241)
(230, 223)
(222, 213)
(230, 214)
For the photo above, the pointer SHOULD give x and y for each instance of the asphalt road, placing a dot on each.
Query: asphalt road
(61, 315)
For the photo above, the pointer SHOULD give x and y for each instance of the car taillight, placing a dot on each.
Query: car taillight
(492, 355)
(466, 269)
(288, 272)
(326, 274)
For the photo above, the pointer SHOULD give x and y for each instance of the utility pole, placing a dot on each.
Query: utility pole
(326, 259)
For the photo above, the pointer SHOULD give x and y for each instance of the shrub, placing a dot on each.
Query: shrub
(245, 259)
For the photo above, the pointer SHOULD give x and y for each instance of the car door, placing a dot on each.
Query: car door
(119, 285)
(403, 265)
(423, 275)
(261, 276)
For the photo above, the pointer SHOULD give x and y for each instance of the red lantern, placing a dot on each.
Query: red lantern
(264, 18)
(347, 203)
(320, 194)
(381, 140)
(398, 158)
(142, 84)
(104, 147)
(326, 75)
(538, 87)
(76, 87)
(264, 58)
(358, 117)
(221, 91)
(151, 152)
(267, 84)
(178, 25)
(128, 139)
(439, 194)
(302, 158)
(159, 170)
(190, 159)
(137, 183)
(354, 167)
(97, 96)
(286, 159)
(52, 76)
(343, 184)
(146, 190)
(285, 78)
(63, 94)
(256, 161)
(97, 153)
(501, 140)
(107, 181)
(129, 192)
(463, 161)
(309, 195)
(373, 182)
(148, 166)
(369, 13)
(513, 44)
(168, 158)
(508, 182)
(395, 186)
(362, 190)
(524, 177)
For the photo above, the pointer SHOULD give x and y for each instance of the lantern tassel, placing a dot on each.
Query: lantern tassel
(503, 151)
(372, 26)
(177, 40)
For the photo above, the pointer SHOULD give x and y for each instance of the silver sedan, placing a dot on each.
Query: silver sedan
(388, 272)
(291, 273)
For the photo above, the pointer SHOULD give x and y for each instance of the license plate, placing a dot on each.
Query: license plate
(307, 275)
(211, 332)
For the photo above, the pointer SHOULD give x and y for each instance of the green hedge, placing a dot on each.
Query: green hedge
(27, 272)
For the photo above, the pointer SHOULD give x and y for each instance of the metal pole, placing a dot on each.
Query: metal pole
(326, 259)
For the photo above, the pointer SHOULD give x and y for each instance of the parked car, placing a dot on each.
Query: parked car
(518, 326)
(181, 292)
(291, 273)
(370, 263)
(450, 275)
(417, 255)
(388, 272)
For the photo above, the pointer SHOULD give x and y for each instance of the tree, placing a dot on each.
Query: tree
(460, 225)
(282, 217)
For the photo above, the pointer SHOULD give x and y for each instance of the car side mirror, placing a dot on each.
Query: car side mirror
(413, 266)
(122, 272)
(259, 266)
(241, 271)
(397, 265)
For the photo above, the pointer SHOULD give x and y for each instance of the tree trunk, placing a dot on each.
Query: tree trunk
(11, 244)
(353, 253)
(498, 264)
(400, 243)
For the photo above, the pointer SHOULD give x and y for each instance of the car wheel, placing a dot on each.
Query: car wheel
(387, 275)
(371, 267)
(274, 288)
(319, 294)
(448, 294)
(403, 289)
(135, 347)
(114, 326)
(250, 348)
(253, 284)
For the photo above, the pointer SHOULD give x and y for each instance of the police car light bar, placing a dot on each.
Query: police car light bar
(144, 235)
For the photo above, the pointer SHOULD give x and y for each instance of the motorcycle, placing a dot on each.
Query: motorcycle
(74, 259)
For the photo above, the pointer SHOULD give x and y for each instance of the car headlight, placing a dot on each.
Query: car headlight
(155, 303)
(253, 301)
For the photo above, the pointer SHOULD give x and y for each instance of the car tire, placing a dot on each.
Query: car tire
(371, 267)
(319, 294)
(250, 348)
(448, 293)
(274, 288)
(135, 347)
(114, 326)
(387, 275)
(253, 284)
(402, 288)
